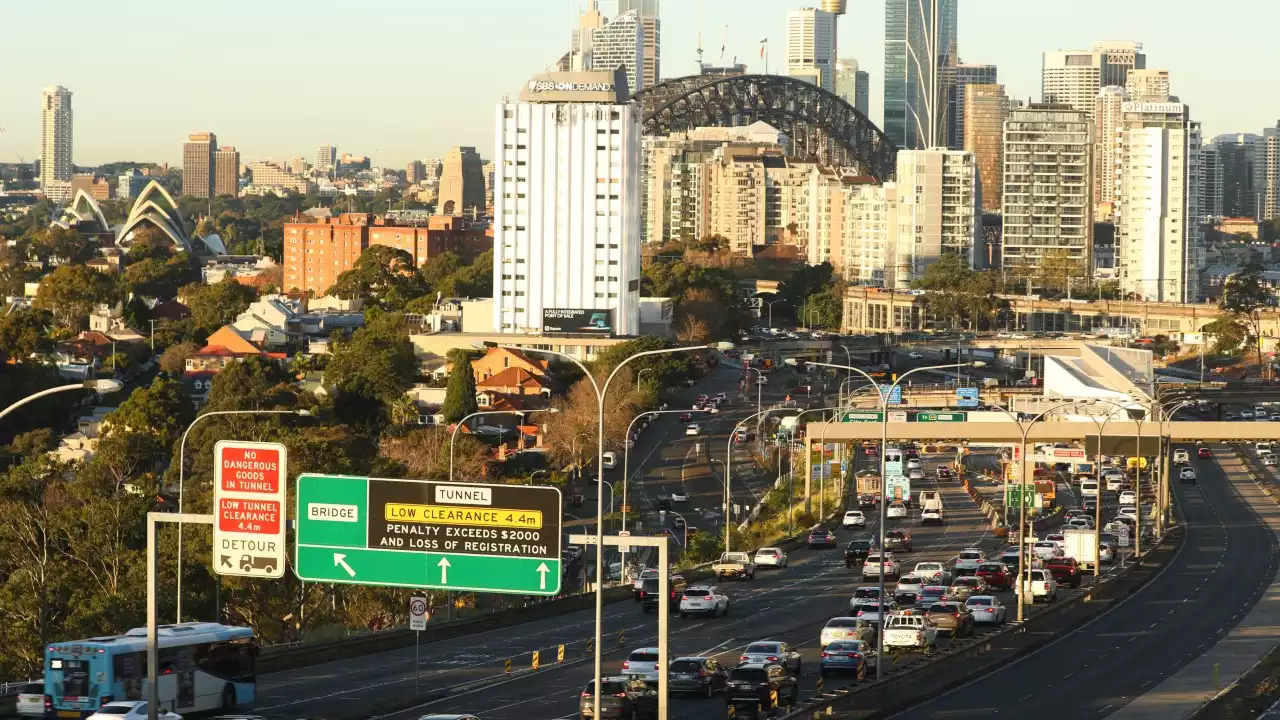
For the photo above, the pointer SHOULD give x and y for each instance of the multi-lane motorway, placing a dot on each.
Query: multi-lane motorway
(1224, 566)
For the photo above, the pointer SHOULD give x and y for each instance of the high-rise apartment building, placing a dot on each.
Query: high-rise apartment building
(1269, 155)
(853, 85)
(811, 47)
(1157, 228)
(414, 172)
(919, 48)
(1240, 168)
(130, 184)
(567, 207)
(579, 57)
(1210, 185)
(1048, 187)
(326, 159)
(461, 182)
(267, 174)
(962, 76)
(226, 172)
(651, 25)
(870, 231)
(55, 136)
(620, 43)
(198, 165)
(985, 108)
(1108, 111)
(1148, 85)
(1074, 77)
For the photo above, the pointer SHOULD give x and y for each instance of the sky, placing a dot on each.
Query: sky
(407, 79)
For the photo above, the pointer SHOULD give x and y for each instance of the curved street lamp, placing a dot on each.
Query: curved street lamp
(453, 434)
(103, 386)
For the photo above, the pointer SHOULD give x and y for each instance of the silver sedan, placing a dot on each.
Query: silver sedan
(987, 609)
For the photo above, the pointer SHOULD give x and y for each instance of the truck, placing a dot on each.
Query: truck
(1081, 545)
(907, 630)
(868, 483)
(931, 500)
(734, 565)
(1046, 490)
(898, 488)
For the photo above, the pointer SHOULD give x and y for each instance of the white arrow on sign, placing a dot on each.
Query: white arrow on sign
(444, 570)
(542, 573)
(340, 560)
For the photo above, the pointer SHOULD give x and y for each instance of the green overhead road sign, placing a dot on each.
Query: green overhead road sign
(862, 417)
(419, 534)
(926, 416)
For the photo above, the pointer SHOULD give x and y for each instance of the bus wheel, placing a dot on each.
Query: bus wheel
(228, 698)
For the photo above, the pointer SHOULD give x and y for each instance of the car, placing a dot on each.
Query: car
(844, 628)
(693, 429)
(772, 651)
(1106, 553)
(702, 398)
(915, 355)
(758, 684)
(1046, 549)
(933, 572)
(620, 697)
(931, 516)
(680, 495)
(1057, 537)
(642, 663)
(130, 710)
(770, 557)
(995, 575)
(930, 594)
(915, 474)
(32, 702)
(987, 609)
(1083, 522)
(963, 587)
(1204, 453)
(1246, 414)
(910, 583)
(872, 566)
(914, 464)
(1112, 482)
(1009, 558)
(677, 522)
(951, 617)
(637, 585)
(856, 552)
(432, 716)
(1066, 571)
(821, 538)
(1187, 474)
(854, 519)
(897, 541)
(697, 675)
(968, 560)
(1040, 584)
(650, 597)
(1181, 456)
(862, 594)
(944, 472)
(895, 510)
(873, 610)
(1129, 497)
(856, 656)
(703, 600)
(867, 501)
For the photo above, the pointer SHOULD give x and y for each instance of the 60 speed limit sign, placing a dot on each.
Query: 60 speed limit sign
(418, 615)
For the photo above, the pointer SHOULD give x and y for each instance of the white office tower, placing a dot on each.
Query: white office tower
(939, 211)
(811, 47)
(870, 227)
(1048, 187)
(1157, 233)
(620, 43)
(55, 137)
(853, 85)
(567, 207)
(1108, 112)
(1269, 156)
(1148, 85)
(1074, 77)
(651, 26)
(326, 158)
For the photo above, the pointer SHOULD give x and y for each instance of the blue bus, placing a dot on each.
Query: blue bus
(203, 666)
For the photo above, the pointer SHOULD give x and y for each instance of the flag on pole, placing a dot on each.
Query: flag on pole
(763, 43)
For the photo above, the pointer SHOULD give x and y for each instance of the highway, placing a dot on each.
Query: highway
(1220, 573)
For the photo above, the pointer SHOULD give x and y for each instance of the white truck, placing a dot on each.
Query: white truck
(735, 564)
(910, 631)
(1081, 545)
(931, 500)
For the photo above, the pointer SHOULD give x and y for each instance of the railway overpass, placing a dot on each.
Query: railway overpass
(1184, 431)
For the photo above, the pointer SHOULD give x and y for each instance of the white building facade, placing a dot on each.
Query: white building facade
(620, 43)
(811, 47)
(939, 211)
(567, 206)
(55, 136)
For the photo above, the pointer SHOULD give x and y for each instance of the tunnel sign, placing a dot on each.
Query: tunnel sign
(250, 480)
(420, 534)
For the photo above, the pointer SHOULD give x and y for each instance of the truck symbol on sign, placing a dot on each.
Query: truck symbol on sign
(250, 562)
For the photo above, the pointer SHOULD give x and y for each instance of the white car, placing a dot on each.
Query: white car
(933, 572)
(1129, 497)
(1047, 549)
(693, 429)
(771, 557)
(703, 600)
(914, 464)
(31, 700)
(1040, 585)
(915, 355)
(839, 628)
(910, 583)
(1268, 459)
(872, 566)
(931, 516)
(986, 609)
(895, 510)
(772, 651)
(871, 610)
(642, 663)
(1185, 473)
(1127, 511)
(1181, 456)
(130, 710)
(1082, 522)
(968, 560)
(1106, 555)
(854, 519)
(1113, 482)
(680, 495)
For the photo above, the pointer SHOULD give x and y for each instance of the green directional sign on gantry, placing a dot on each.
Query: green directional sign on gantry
(420, 534)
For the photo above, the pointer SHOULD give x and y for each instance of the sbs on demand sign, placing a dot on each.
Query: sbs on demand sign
(249, 488)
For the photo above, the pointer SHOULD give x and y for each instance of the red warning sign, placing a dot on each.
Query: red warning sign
(250, 485)
(249, 516)
(250, 470)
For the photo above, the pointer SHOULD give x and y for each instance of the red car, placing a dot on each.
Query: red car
(1065, 570)
(869, 451)
(1203, 453)
(996, 575)
(686, 417)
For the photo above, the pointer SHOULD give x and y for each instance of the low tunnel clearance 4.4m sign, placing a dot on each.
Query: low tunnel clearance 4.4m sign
(249, 490)
(420, 534)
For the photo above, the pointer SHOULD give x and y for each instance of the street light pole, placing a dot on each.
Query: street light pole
(626, 460)
(453, 434)
(728, 465)
(105, 385)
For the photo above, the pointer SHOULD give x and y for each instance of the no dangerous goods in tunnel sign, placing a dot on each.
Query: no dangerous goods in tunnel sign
(249, 487)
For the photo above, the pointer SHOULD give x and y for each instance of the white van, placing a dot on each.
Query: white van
(1182, 457)
(1089, 488)
(1263, 447)
(610, 460)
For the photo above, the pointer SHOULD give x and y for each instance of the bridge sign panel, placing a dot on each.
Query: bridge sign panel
(967, 397)
(861, 416)
(250, 483)
(420, 534)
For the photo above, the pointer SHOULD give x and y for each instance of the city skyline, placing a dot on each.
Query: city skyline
(266, 113)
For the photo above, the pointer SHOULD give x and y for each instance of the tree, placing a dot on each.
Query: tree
(383, 276)
(174, 359)
(423, 454)
(213, 306)
(460, 395)
(64, 246)
(379, 355)
(72, 291)
(1244, 296)
(250, 384)
(160, 411)
(23, 333)
(1228, 334)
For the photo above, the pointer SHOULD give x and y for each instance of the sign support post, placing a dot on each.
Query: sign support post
(153, 569)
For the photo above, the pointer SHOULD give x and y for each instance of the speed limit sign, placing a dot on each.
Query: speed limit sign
(418, 614)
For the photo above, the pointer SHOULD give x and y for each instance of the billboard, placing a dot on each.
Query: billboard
(577, 321)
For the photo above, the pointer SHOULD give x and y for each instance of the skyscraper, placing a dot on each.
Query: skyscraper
(1107, 114)
(1157, 231)
(1148, 85)
(1239, 164)
(620, 43)
(985, 109)
(1118, 58)
(226, 172)
(326, 158)
(811, 47)
(198, 164)
(1048, 187)
(919, 45)
(1269, 155)
(853, 85)
(1210, 185)
(961, 76)
(1074, 77)
(55, 137)
(579, 57)
(651, 25)
(567, 198)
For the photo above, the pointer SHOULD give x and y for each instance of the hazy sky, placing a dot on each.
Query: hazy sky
(404, 79)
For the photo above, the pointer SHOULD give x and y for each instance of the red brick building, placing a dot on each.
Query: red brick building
(316, 253)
